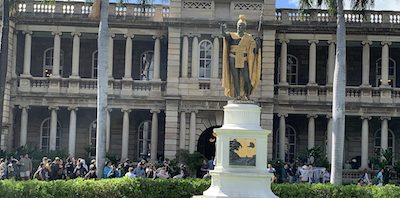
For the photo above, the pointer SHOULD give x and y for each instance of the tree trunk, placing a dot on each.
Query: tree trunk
(4, 57)
(338, 103)
(102, 83)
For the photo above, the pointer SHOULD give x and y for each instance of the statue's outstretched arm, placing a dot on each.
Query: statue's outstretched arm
(223, 31)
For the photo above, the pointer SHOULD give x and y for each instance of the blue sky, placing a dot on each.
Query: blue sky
(286, 4)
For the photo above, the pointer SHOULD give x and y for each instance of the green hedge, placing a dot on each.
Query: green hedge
(125, 187)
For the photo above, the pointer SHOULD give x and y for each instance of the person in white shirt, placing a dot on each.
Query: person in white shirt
(130, 174)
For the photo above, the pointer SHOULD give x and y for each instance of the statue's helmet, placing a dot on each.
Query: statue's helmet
(242, 20)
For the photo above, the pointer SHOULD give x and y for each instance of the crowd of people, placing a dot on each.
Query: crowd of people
(48, 169)
(22, 169)
(296, 172)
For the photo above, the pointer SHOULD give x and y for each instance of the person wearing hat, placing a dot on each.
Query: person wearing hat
(241, 61)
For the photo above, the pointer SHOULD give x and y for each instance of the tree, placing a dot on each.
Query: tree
(339, 79)
(100, 9)
(4, 57)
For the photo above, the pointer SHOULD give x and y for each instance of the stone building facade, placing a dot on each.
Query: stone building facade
(165, 89)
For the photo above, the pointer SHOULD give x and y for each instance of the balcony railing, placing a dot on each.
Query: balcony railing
(88, 86)
(288, 16)
(324, 93)
(190, 8)
(81, 9)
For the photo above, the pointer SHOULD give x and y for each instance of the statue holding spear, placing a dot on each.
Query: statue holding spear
(241, 60)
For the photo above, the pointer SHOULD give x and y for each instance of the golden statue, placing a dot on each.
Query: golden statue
(241, 63)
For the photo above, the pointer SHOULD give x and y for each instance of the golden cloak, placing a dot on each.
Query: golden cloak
(247, 44)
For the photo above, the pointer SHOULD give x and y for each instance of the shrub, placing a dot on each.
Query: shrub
(125, 187)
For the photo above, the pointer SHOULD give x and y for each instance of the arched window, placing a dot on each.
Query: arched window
(290, 143)
(45, 135)
(205, 59)
(377, 141)
(94, 64)
(392, 72)
(48, 62)
(144, 137)
(292, 69)
(147, 65)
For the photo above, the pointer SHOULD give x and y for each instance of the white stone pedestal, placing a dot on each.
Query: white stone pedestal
(241, 154)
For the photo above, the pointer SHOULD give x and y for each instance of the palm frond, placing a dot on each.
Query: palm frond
(362, 5)
(306, 4)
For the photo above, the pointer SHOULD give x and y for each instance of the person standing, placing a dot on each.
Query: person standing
(379, 177)
(25, 167)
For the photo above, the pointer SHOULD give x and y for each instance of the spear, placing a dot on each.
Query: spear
(260, 21)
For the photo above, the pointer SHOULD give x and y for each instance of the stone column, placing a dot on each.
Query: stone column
(56, 54)
(282, 136)
(108, 130)
(146, 128)
(364, 142)
(182, 130)
(75, 54)
(192, 135)
(53, 128)
(384, 133)
(154, 135)
(72, 131)
(311, 131)
(366, 62)
(329, 138)
(157, 58)
(185, 54)
(385, 64)
(24, 125)
(27, 54)
(283, 68)
(125, 133)
(195, 57)
(312, 62)
(215, 58)
(128, 57)
(331, 62)
(110, 55)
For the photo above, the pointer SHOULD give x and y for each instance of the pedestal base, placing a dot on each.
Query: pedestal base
(241, 155)
(239, 184)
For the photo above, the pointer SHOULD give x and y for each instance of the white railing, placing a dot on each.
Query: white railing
(44, 8)
(41, 82)
(353, 93)
(315, 15)
(297, 90)
(88, 86)
(158, 12)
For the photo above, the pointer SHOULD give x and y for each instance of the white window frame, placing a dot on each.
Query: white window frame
(47, 121)
(292, 70)
(204, 71)
(94, 64)
(140, 138)
(47, 68)
(378, 70)
(377, 141)
(92, 127)
(288, 156)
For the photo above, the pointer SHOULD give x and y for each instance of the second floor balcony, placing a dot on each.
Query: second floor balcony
(324, 94)
(84, 86)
